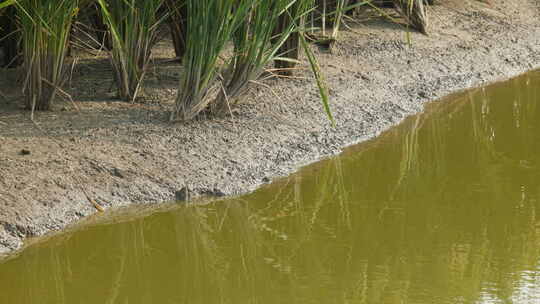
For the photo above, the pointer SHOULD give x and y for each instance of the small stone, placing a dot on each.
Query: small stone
(218, 193)
(118, 173)
(25, 152)
(183, 195)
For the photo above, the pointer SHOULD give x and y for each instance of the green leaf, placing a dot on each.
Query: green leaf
(7, 3)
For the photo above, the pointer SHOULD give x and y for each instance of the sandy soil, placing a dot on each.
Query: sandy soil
(121, 154)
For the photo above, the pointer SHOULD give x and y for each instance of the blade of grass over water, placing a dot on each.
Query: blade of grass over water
(319, 77)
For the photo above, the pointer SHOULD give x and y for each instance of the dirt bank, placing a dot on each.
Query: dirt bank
(122, 154)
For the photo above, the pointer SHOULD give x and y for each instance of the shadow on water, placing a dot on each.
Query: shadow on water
(441, 209)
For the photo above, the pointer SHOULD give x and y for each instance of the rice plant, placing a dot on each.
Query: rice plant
(333, 11)
(330, 13)
(256, 44)
(414, 12)
(9, 38)
(320, 11)
(289, 51)
(177, 25)
(134, 30)
(97, 25)
(261, 31)
(6, 3)
(211, 26)
(339, 12)
(45, 28)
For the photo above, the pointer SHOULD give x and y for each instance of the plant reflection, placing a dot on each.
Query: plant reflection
(442, 209)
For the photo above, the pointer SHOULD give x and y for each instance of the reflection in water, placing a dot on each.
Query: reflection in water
(439, 210)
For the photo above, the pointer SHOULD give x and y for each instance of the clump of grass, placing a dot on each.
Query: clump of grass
(339, 12)
(9, 38)
(134, 30)
(211, 25)
(177, 24)
(45, 28)
(6, 3)
(256, 44)
(331, 13)
(251, 25)
(415, 13)
(289, 51)
(97, 25)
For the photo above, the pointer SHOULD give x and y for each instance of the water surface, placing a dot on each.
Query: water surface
(441, 209)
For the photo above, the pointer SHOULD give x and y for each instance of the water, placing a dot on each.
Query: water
(441, 209)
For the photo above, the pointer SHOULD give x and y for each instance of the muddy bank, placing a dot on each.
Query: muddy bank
(120, 154)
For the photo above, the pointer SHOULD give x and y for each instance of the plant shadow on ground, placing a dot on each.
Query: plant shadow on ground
(92, 101)
(92, 88)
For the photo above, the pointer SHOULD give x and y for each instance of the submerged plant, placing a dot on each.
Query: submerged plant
(133, 26)
(45, 28)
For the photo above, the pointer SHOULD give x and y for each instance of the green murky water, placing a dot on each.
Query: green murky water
(442, 209)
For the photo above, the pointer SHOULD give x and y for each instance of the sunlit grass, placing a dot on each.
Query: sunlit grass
(211, 26)
(45, 28)
(415, 13)
(257, 43)
(213, 78)
(134, 28)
